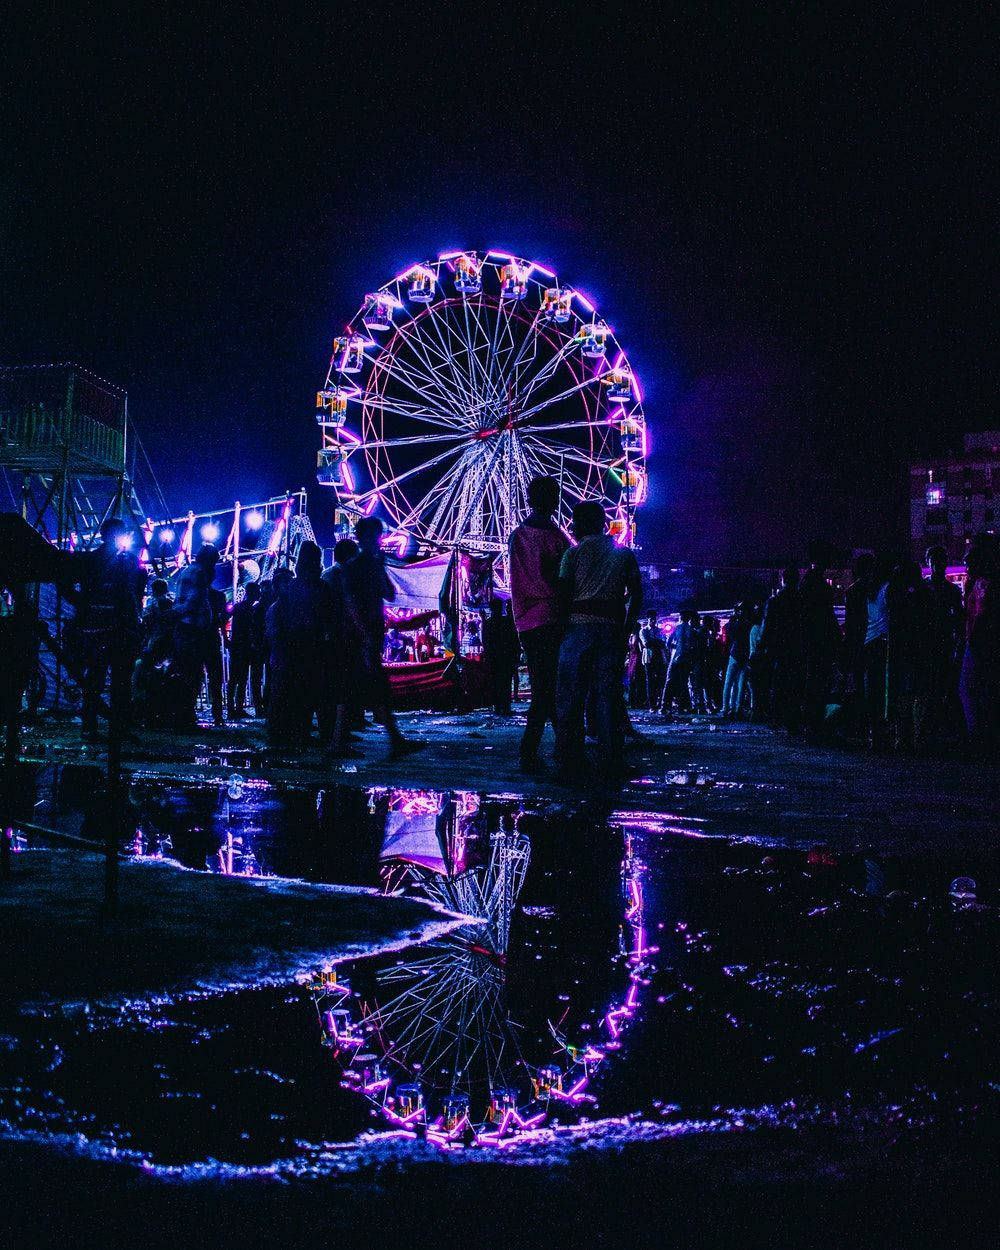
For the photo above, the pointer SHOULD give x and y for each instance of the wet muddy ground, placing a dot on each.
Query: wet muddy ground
(664, 976)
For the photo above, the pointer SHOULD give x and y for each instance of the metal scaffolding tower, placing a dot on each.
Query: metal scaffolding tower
(64, 454)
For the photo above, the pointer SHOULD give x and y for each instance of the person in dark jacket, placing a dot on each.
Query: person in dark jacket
(197, 637)
(501, 652)
(241, 652)
(368, 589)
(780, 650)
(821, 639)
(106, 626)
(259, 648)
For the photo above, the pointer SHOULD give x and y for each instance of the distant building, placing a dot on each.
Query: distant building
(952, 498)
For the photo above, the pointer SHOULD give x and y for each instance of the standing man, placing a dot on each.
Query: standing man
(653, 660)
(106, 624)
(197, 638)
(500, 651)
(240, 652)
(601, 588)
(368, 589)
(537, 547)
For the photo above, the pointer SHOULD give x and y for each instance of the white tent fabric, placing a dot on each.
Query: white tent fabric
(418, 586)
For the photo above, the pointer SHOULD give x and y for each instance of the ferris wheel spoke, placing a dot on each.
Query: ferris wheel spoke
(425, 348)
(419, 369)
(431, 406)
(402, 477)
(425, 386)
(444, 488)
(479, 341)
(575, 456)
(509, 372)
(546, 370)
(555, 399)
(411, 440)
(463, 381)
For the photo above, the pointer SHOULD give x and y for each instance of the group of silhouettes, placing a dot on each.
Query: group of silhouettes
(916, 660)
(304, 647)
(914, 666)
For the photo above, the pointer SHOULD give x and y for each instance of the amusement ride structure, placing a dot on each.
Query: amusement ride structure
(459, 381)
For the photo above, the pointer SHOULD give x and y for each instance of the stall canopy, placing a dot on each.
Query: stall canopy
(418, 586)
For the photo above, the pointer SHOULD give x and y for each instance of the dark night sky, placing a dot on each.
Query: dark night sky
(785, 221)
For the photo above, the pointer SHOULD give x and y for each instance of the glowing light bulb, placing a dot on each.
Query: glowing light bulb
(253, 520)
(166, 535)
(210, 532)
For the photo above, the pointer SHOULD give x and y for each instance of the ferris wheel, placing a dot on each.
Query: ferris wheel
(462, 379)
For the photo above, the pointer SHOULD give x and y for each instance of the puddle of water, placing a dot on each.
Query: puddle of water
(617, 964)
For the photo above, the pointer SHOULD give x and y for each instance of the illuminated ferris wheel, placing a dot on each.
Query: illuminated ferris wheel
(462, 379)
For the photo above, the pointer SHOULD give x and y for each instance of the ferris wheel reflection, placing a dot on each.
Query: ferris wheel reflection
(430, 1039)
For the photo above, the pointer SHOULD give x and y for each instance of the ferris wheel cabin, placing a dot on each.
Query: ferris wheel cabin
(594, 339)
(378, 313)
(513, 282)
(421, 285)
(468, 275)
(557, 305)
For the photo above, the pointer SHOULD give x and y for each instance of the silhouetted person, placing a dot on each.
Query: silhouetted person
(346, 658)
(738, 660)
(821, 638)
(875, 659)
(781, 647)
(241, 652)
(685, 649)
(909, 653)
(856, 623)
(259, 647)
(537, 547)
(280, 680)
(196, 637)
(304, 626)
(148, 686)
(601, 588)
(947, 640)
(106, 629)
(501, 652)
(368, 589)
(979, 684)
(652, 668)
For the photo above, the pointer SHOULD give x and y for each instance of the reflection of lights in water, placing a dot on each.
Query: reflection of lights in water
(436, 1053)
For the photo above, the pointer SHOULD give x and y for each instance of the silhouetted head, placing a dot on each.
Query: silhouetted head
(266, 591)
(790, 576)
(158, 588)
(368, 532)
(981, 559)
(588, 519)
(543, 495)
(817, 553)
(937, 559)
(496, 608)
(864, 566)
(309, 562)
(207, 558)
(114, 532)
(345, 551)
(281, 582)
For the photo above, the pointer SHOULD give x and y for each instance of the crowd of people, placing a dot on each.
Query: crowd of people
(304, 649)
(915, 664)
